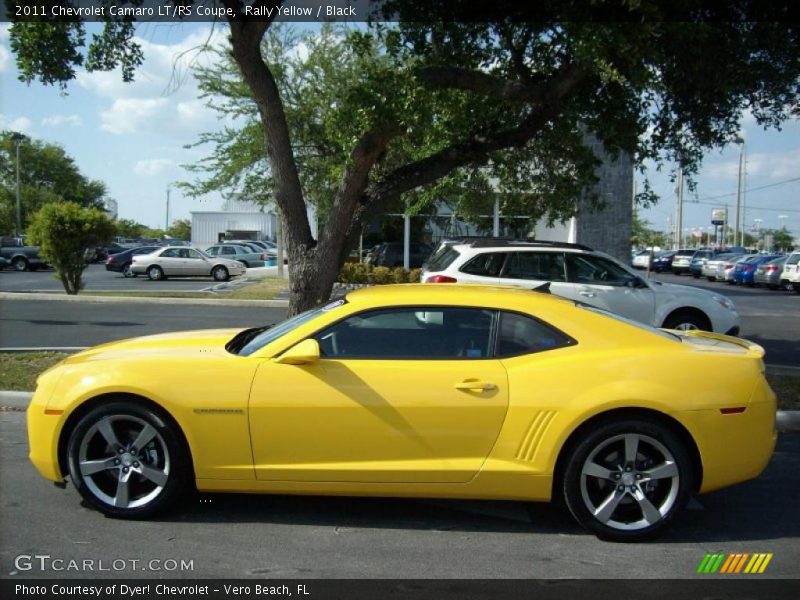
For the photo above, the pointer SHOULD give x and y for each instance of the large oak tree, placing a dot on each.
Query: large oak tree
(648, 78)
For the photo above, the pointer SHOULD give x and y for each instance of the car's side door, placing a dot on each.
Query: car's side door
(404, 394)
(171, 262)
(600, 282)
(194, 263)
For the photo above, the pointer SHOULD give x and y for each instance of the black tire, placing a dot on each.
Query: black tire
(244, 262)
(20, 263)
(116, 477)
(155, 273)
(126, 270)
(613, 495)
(220, 273)
(711, 278)
(683, 320)
(696, 275)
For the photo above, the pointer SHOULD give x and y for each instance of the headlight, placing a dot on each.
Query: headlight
(724, 302)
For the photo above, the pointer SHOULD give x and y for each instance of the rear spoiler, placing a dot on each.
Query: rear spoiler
(542, 289)
(752, 348)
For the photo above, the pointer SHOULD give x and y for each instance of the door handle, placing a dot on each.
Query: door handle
(587, 293)
(475, 386)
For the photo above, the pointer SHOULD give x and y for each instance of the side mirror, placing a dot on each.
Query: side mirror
(303, 353)
(636, 283)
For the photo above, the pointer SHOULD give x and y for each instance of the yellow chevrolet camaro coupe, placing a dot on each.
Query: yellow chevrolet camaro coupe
(459, 391)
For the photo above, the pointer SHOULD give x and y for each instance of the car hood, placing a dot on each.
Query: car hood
(185, 343)
(676, 289)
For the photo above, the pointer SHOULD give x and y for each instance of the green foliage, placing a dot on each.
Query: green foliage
(381, 275)
(361, 273)
(781, 238)
(180, 229)
(642, 236)
(47, 174)
(128, 228)
(63, 231)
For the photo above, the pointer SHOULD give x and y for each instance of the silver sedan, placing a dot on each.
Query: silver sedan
(185, 262)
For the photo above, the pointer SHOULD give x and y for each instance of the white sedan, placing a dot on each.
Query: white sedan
(185, 262)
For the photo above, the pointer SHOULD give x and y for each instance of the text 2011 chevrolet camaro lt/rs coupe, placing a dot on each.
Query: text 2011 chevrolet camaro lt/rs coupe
(461, 391)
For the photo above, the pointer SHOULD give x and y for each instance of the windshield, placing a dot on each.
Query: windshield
(251, 340)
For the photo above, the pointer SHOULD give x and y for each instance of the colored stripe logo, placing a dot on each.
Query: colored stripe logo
(735, 563)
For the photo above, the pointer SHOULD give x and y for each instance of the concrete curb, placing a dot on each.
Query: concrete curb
(133, 300)
(788, 421)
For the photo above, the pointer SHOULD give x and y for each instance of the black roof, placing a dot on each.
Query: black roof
(491, 242)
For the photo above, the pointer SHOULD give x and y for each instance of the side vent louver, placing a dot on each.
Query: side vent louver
(533, 436)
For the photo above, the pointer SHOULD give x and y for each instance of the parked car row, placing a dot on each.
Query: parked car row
(219, 261)
(774, 271)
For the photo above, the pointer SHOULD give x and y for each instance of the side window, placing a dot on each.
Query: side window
(793, 259)
(519, 334)
(411, 333)
(228, 250)
(589, 269)
(486, 265)
(213, 251)
(541, 266)
(171, 253)
(190, 253)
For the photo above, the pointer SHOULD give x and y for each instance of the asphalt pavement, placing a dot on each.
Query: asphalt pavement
(229, 535)
(768, 317)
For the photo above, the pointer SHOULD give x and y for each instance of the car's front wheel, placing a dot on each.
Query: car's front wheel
(626, 480)
(220, 273)
(127, 460)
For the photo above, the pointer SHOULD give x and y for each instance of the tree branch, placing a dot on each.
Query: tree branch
(477, 148)
(246, 42)
(489, 85)
(354, 181)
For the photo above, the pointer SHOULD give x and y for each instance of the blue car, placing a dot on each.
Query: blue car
(745, 270)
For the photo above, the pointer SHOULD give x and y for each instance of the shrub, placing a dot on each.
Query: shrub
(414, 275)
(63, 231)
(381, 275)
(399, 275)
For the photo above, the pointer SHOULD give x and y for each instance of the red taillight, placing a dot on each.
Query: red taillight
(771, 268)
(441, 279)
(729, 266)
(747, 268)
(263, 257)
(110, 260)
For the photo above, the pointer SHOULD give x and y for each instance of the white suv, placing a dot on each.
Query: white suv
(582, 274)
(791, 271)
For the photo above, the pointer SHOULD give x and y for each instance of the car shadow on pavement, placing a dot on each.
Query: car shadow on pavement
(764, 508)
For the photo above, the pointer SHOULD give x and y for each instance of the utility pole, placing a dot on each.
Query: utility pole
(736, 228)
(679, 216)
(496, 217)
(166, 219)
(18, 137)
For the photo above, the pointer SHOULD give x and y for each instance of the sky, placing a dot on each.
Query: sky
(132, 136)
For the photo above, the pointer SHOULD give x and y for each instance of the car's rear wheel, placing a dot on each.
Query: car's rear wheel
(684, 320)
(220, 273)
(126, 270)
(127, 460)
(627, 479)
(155, 273)
(20, 263)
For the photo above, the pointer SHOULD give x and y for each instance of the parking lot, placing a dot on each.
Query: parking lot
(218, 535)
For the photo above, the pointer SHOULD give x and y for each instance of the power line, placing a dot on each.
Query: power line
(755, 189)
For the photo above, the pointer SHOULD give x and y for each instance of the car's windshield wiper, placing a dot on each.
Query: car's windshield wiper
(242, 338)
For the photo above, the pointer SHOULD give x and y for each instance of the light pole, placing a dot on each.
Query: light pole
(736, 231)
(166, 219)
(18, 138)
